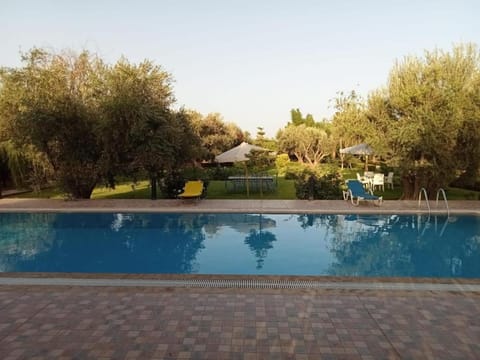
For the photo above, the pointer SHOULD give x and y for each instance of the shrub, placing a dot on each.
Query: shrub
(171, 185)
(462, 182)
(223, 172)
(294, 170)
(319, 183)
(281, 163)
(194, 173)
(352, 162)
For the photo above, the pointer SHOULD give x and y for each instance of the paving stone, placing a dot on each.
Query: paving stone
(137, 323)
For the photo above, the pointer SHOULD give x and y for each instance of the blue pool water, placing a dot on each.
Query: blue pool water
(347, 245)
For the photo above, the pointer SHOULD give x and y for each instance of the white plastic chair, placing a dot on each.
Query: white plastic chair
(365, 182)
(389, 179)
(378, 180)
(368, 176)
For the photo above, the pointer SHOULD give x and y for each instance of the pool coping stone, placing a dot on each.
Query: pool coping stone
(235, 206)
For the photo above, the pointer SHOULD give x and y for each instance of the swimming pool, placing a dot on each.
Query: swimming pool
(260, 244)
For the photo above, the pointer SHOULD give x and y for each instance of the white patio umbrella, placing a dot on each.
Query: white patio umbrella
(360, 149)
(239, 154)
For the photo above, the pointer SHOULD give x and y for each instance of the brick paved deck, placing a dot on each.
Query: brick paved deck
(131, 323)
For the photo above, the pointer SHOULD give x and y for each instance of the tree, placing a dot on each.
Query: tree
(260, 139)
(258, 162)
(429, 119)
(51, 103)
(298, 119)
(308, 144)
(468, 142)
(216, 135)
(349, 122)
(23, 167)
(145, 135)
(136, 104)
(93, 121)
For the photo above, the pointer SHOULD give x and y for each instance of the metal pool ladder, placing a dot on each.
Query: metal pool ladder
(424, 192)
(441, 191)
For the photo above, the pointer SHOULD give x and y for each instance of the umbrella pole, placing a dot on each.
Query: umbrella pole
(366, 162)
(246, 181)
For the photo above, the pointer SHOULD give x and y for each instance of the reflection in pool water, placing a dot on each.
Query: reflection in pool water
(287, 244)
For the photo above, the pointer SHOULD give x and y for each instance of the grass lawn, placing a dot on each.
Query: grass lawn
(141, 190)
(452, 193)
(461, 194)
(285, 190)
(122, 191)
(216, 190)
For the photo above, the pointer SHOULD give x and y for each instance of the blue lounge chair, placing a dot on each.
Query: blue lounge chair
(356, 190)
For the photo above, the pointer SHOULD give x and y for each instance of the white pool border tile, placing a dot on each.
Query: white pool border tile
(239, 283)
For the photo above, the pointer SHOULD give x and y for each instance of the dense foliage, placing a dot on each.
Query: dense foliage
(92, 121)
(317, 184)
(215, 134)
(52, 104)
(309, 145)
(427, 120)
(76, 120)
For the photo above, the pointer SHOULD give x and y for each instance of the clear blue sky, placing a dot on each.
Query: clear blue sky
(251, 61)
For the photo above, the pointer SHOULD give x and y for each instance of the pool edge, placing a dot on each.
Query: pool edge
(241, 283)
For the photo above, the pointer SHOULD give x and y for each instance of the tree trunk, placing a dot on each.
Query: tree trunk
(81, 192)
(299, 158)
(153, 187)
(413, 182)
(408, 187)
(411, 185)
(78, 180)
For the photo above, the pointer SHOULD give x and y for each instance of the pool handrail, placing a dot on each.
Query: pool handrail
(442, 191)
(424, 191)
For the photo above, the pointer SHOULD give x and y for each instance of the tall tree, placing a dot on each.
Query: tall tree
(51, 103)
(91, 120)
(349, 122)
(297, 118)
(263, 141)
(468, 142)
(216, 135)
(308, 144)
(428, 118)
(260, 138)
(23, 166)
(142, 133)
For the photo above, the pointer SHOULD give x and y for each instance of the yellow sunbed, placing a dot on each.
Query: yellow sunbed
(192, 189)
